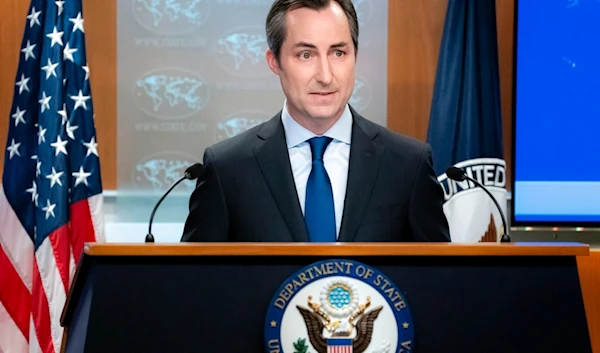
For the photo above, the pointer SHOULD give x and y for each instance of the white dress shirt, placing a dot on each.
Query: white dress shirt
(335, 159)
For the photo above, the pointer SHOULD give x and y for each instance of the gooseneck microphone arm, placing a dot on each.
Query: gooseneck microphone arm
(458, 174)
(193, 172)
(149, 236)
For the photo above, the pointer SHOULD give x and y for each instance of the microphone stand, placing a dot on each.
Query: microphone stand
(149, 236)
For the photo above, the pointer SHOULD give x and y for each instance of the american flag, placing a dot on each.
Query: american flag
(339, 345)
(51, 192)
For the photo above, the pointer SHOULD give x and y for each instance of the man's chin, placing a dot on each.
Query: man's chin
(324, 113)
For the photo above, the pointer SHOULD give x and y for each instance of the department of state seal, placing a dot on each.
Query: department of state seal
(338, 306)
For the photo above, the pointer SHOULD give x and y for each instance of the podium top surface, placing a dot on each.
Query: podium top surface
(337, 249)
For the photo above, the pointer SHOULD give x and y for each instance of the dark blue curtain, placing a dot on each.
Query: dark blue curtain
(465, 120)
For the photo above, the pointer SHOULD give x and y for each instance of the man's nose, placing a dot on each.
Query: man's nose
(324, 75)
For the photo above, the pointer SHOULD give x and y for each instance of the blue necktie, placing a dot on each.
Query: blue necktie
(319, 212)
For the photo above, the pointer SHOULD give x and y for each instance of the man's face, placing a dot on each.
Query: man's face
(317, 63)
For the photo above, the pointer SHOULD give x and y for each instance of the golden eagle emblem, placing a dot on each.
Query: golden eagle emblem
(317, 321)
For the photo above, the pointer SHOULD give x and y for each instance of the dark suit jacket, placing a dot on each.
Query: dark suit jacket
(248, 193)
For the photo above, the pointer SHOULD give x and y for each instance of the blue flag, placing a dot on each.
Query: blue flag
(465, 126)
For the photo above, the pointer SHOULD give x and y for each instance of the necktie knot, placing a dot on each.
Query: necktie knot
(318, 146)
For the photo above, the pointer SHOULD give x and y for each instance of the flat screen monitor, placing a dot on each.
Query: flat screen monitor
(556, 178)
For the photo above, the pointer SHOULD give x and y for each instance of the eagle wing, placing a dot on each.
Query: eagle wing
(314, 326)
(364, 330)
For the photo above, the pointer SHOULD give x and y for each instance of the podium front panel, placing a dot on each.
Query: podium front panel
(220, 303)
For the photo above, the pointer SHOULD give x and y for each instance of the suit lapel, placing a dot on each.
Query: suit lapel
(274, 162)
(365, 159)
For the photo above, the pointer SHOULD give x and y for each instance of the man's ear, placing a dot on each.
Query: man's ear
(272, 62)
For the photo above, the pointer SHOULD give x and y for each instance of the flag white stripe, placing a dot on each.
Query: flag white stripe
(72, 266)
(53, 288)
(34, 345)
(96, 203)
(11, 337)
(16, 242)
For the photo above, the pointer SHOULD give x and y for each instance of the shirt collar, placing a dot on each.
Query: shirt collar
(295, 133)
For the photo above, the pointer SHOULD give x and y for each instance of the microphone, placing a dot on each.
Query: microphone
(458, 174)
(191, 173)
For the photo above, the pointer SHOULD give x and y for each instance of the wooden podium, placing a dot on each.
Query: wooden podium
(518, 297)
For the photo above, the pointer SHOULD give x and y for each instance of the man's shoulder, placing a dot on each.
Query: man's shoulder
(390, 139)
(242, 145)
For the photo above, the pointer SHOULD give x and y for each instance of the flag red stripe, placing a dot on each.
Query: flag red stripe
(59, 240)
(41, 312)
(14, 295)
(17, 244)
(82, 229)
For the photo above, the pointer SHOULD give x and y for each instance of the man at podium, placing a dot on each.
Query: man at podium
(317, 171)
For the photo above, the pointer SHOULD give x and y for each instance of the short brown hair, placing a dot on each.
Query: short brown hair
(275, 25)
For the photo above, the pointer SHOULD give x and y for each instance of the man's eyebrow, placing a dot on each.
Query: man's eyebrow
(339, 45)
(309, 45)
(304, 45)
